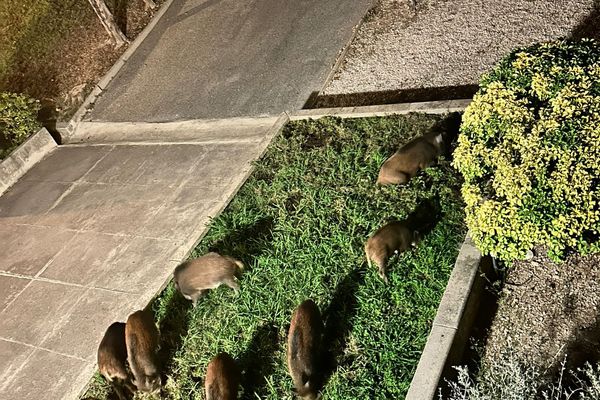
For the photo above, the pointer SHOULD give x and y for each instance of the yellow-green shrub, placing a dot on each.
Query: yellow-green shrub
(18, 120)
(529, 152)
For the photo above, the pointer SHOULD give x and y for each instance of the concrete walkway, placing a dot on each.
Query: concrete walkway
(229, 58)
(92, 233)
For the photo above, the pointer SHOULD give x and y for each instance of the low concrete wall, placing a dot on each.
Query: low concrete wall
(429, 107)
(24, 157)
(178, 131)
(452, 324)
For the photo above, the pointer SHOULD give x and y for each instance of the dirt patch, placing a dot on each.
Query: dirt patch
(548, 310)
(450, 43)
(65, 68)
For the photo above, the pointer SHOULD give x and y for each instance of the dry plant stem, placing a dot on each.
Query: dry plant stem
(150, 4)
(108, 21)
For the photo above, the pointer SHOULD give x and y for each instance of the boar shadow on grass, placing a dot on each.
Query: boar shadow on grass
(173, 328)
(338, 320)
(257, 361)
(247, 242)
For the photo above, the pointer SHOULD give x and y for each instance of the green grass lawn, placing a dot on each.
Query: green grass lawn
(299, 224)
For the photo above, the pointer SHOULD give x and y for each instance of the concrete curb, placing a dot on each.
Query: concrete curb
(452, 324)
(201, 130)
(429, 107)
(101, 85)
(29, 153)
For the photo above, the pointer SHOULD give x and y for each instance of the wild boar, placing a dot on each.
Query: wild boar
(142, 338)
(420, 152)
(194, 277)
(112, 359)
(304, 349)
(393, 238)
(222, 378)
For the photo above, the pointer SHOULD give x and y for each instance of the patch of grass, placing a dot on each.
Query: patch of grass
(299, 224)
(30, 33)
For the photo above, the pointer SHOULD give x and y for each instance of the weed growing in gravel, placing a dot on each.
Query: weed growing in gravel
(299, 224)
(510, 379)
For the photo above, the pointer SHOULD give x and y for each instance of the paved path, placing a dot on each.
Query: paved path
(91, 233)
(226, 58)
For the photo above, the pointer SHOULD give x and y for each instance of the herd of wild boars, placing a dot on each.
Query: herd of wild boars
(127, 355)
(133, 344)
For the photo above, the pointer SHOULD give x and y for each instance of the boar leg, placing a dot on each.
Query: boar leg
(232, 283)
(197, 296)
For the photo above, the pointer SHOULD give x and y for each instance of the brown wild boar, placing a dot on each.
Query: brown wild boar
(413, 157)
(393, 238)
(142, 338)
(194, 277)
(222, 378)
(112, 359)
(421, 152)
(304, 348)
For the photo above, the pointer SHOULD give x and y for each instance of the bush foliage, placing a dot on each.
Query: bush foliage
(508, 378)
(529, 152)
(18, 120)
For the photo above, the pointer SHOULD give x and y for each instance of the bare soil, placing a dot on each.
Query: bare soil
(549, 310)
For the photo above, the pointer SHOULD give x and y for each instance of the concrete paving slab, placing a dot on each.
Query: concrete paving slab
(117, 209)
(92, 251)
(226, 58)
(142, 266)
(66, 164)
(44, 304)
(193, 206)
(223, 163)
(79, 332)
(12, 357)
(122, 209)
(119, 263)
(34, 149)
(27, 249)
(145, 165)
(28, 201)
(121, 165)
(47, 376)
(10, 287)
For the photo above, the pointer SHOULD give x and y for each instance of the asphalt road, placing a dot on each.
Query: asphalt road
(227, 58)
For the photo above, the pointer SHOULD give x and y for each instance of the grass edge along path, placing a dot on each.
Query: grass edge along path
(299, 224)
